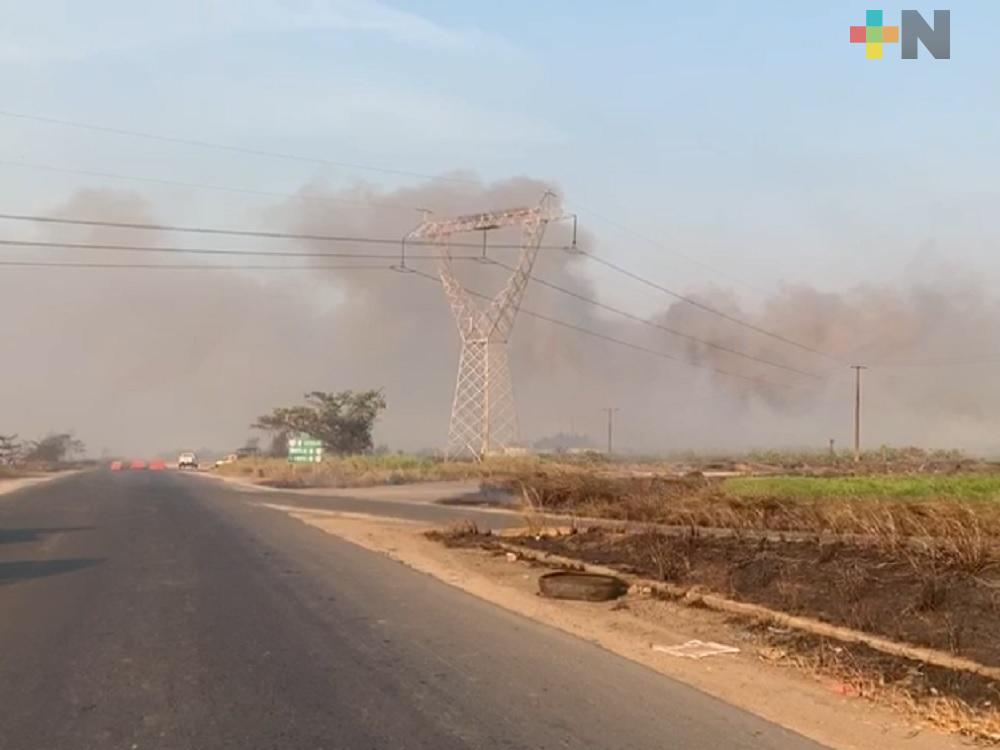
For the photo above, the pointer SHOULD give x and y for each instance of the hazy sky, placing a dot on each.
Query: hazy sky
(750, 144)
(752, 136)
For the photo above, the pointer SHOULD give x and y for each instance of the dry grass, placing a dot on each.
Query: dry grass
(964, 529)
(366, 471)
(885, 458)
(457, 534)
(896, 511)
(21, 471)
(668, 558)
(959, 703)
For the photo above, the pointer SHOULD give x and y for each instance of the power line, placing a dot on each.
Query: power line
(148, 227)
(315, 160)
(704, 307)
(406, 173)
(185, 267)
(613, 339)
(539, 316)
(204, 186)
(233, 149)
(380, 241)
(220, 252)
(989, 360)
(387, 241)
(644, 321)
(358, 256)
(333, 199)
(660, 246)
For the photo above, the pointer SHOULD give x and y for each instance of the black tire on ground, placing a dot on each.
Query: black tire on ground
(588, 587)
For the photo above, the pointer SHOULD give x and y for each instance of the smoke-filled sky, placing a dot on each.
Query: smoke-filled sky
(758, 178)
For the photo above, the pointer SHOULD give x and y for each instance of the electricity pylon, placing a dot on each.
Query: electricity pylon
(483, 417)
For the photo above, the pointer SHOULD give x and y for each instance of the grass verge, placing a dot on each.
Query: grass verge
(949, 509)
(918, 486)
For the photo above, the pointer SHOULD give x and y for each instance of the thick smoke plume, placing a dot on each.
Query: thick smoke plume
(144, 361)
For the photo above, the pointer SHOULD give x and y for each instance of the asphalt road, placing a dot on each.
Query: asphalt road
(152, 610)
(420, 508)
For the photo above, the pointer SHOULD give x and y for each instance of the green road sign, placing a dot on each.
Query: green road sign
(305, 449)
(304, 443)
(305, 459)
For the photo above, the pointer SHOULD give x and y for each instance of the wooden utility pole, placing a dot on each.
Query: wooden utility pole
(611, 411)
(857, 411)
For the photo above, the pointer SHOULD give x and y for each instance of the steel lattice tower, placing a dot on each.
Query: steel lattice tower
(483, 417)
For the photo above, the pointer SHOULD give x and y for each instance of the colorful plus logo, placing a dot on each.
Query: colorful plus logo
(912, 31)
(874, 34)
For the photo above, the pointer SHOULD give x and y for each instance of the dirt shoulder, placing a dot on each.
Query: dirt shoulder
(819, 708)
(12, 485)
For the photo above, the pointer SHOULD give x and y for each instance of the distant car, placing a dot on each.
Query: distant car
(187, 460)
(116, 466)
(231, 458)
(157, 465)
(137, 464)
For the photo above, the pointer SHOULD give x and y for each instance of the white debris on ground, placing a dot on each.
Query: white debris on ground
(697, 649)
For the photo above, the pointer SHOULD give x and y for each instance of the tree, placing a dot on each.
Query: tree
(10, 450)
(54, 448)
(342, 421)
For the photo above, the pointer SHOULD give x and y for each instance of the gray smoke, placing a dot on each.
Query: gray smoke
(142, 361)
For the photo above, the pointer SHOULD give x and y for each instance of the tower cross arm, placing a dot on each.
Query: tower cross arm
(440, 228)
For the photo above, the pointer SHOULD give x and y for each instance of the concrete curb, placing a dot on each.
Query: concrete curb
(693, 595)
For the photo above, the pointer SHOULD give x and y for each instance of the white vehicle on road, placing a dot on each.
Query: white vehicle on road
(187, 460)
